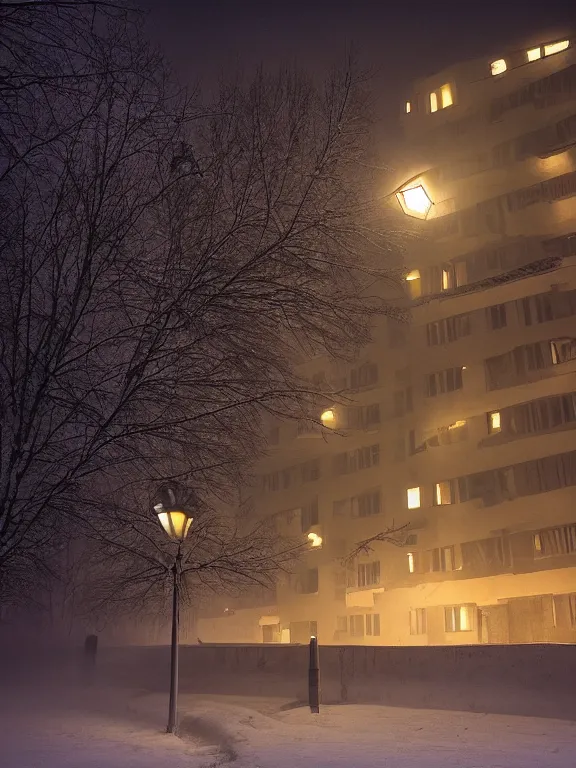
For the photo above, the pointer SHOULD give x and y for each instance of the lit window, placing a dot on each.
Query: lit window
(446, 96)
(414, 201)
(534, 53)
(494, 421)
(408, 107)
(414, 285)
(561, 45)
(443, 493)
(441, 98)
(446, 280)
(459, 618)
(411, 562)
(465, 618)
(498, 67)
(413, 498)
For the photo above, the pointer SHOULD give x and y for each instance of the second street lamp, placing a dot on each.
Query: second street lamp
(176, 521)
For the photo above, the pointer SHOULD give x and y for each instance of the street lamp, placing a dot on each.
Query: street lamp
(176, 521)
(414, 201)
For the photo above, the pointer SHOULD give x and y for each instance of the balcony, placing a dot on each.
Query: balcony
(362, 597)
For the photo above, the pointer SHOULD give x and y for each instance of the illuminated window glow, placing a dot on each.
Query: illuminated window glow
(459, 618)
(414, 275)
(494, 421)
(498, 67)
(411, 562)
(414, 201)
(446, 96)
(561, 45)
(441, 98)
(443, 493)
(534, 53)
(413, 498)
(457, 424)
(465, 618)
(408, 107)
(446, 279)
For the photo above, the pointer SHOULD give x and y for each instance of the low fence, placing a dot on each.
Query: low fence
(533, 680)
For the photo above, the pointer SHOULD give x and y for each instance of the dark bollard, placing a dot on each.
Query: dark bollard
(90, 648)
(314, 678)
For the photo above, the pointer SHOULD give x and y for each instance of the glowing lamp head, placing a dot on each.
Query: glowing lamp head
(315, 540)
(414, 201)
(176, 522)
(328, 417)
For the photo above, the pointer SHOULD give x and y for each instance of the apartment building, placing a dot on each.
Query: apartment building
(460, 428)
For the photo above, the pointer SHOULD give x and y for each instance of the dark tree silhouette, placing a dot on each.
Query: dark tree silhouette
(164, 265)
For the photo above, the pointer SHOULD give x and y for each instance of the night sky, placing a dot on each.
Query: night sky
(399, 39)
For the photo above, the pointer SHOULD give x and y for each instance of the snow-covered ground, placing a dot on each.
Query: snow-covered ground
(71, 729)
(366, 736)
(119, 729)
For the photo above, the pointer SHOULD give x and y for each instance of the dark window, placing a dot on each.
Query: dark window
(308, 582)
(366, 505)
(369, 574)
(496, 316)
(441, 382)
(364, 376)
(555, 541)
(309, 515)
(357, 625)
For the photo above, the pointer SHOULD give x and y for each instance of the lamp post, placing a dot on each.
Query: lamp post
(176, 522)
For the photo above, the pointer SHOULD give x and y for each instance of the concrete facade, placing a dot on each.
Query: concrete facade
(462, 425)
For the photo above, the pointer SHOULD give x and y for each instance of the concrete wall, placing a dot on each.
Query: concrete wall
(513, 679)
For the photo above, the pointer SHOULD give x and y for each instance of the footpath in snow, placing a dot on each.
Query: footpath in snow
(371, 736)
(98, 728)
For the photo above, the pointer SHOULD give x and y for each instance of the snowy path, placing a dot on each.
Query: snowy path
(64, 731)
(117, 729)
(362, 736)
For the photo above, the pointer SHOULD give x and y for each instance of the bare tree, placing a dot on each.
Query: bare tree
(397, 535)
(163, 266)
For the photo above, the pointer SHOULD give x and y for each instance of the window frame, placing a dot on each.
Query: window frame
(419, 504)
(455, 612)
(368, 574)
(441, 98)
(451, 489)
(355, 622)
(420, 623)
